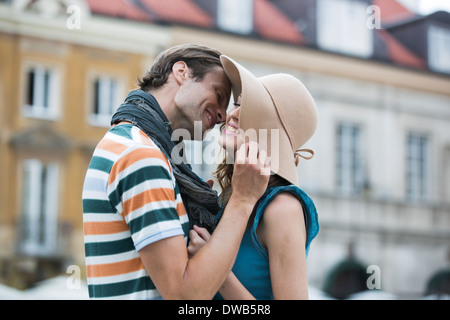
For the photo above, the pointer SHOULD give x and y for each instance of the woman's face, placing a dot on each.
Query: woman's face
(231, 137)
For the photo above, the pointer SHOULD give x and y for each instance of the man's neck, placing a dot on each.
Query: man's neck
(165, 98)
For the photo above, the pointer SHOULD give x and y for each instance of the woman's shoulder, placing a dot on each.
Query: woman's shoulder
(282, 207)
(283, 202)
(281, 196)
(283, 216)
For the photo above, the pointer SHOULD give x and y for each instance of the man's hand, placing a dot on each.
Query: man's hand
(251, 173)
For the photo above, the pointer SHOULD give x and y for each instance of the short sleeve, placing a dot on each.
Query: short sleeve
(142, 189)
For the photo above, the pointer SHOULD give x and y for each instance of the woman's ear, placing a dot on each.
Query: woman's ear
(180, 71)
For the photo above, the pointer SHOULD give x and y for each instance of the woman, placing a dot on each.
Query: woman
(279, 113)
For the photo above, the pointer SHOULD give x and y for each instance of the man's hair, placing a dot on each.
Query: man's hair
(199, 58)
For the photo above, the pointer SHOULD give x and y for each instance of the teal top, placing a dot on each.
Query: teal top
(252, 262)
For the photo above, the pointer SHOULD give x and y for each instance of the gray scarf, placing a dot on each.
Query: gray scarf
(200, 201)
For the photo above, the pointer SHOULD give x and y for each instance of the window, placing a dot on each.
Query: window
(350, 173)
(439, 49)
(41, 93)
(342, 27)
(39, 207)
(417, 167)
(235, 15)
(105, 100)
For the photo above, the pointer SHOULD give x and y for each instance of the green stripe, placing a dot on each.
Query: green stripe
(134, 178)
(121, 288)
(123, 131)
(97, 206)
(152, 217)
(108, 247)
(100, 163)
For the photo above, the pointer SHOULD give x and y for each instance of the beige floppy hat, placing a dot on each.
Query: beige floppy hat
(278, 112)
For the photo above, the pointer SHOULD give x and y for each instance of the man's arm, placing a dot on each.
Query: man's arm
(167, 262)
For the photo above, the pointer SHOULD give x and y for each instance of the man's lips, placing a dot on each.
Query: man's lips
(211, 118)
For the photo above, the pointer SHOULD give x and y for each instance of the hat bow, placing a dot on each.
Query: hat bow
(298, 154)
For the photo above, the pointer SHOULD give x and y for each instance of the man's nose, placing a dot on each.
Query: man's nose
(221, 116)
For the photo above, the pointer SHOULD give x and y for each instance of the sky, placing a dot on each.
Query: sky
(428, 6)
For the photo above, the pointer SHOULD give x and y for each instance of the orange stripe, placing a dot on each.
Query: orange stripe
(181, 209)
(104, 227)
(133, 157)
(114, 269)
(146, 140)
(139, 200)
(112, 146)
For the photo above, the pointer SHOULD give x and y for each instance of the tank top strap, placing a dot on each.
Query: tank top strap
(309, 210)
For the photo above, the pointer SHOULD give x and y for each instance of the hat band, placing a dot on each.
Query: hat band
(297, 155)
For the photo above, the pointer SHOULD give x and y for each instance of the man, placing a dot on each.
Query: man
(139, 203)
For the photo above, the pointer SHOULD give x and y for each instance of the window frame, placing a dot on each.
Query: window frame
(99, 113)
(339, 18)
(39, 206)
(43, 90)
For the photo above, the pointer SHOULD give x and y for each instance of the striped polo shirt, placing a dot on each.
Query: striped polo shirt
(130, 200)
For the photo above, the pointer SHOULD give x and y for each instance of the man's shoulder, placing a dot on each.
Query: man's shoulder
(129, 143)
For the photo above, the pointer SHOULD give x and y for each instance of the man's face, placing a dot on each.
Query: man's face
(205, 101)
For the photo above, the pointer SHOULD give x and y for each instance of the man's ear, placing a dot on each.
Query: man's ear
(180, 71)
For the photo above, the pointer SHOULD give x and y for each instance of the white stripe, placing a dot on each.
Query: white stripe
(148, 207)
(94, 195)
(107, 237)
(141, 295)
(97, 174)
(118, 139)
(136, 135)
(102, 153)
(154, 230)
(146, 186)
(184, 218)
(112, 258)
(102, 217)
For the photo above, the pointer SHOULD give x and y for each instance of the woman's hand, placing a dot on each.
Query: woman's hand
(198, 238)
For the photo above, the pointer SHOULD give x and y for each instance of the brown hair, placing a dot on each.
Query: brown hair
(199, 58)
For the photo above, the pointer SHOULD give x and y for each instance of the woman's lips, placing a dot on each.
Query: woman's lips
(231, 130)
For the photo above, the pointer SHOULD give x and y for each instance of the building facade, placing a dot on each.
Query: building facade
(381, 174)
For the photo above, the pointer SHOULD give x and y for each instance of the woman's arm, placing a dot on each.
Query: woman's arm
(282, 231)
(232, 288)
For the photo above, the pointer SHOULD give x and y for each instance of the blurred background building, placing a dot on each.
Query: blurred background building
(378, 70)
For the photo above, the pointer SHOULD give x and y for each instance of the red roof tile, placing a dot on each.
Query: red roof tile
(181, 11)
(118, 8)
(398, 53)
(392, 10)
(272, 24)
